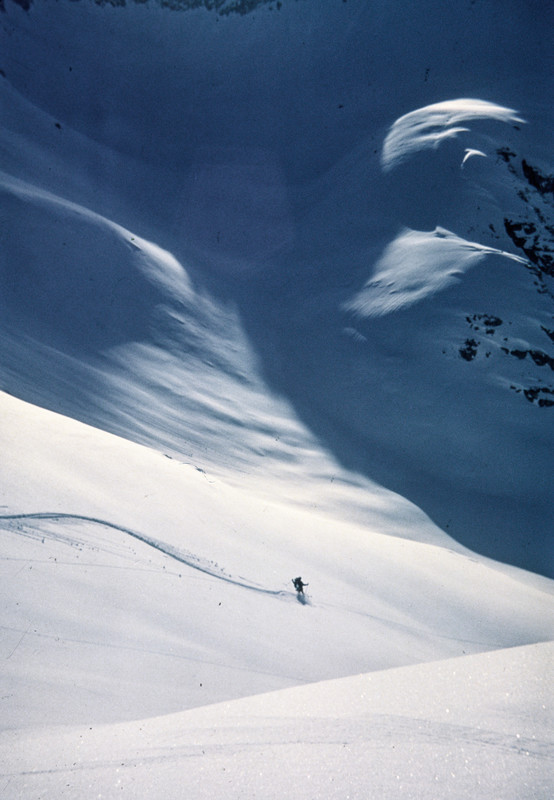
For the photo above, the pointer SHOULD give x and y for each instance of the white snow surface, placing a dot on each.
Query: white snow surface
(275, 301)
(466, 727)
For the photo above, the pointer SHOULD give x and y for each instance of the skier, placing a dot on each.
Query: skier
(299, 584)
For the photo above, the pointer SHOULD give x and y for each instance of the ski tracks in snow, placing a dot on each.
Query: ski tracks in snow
(188, 559)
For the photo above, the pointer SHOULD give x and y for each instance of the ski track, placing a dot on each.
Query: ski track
(161, 547)
(190, 561)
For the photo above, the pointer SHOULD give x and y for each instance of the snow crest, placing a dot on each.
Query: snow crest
(416, 265)
(427, 127)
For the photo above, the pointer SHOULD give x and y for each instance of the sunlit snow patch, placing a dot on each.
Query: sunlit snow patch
(470, 152)
(415, 265)
(427, 127)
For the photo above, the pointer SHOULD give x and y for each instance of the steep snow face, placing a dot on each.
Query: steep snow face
(201, 245)
(54, 283)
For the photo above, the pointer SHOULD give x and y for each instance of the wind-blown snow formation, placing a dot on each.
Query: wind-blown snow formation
(428, 128)
(276, 299)
(418, 264)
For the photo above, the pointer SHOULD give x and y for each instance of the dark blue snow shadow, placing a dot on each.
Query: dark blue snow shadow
(308, 89)
(289, 257)
(71, 280)
(464, 458)
(407, 429)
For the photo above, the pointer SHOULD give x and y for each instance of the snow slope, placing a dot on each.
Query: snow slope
(276, 299)
(183, 201)
(453, 729)
(163, 588)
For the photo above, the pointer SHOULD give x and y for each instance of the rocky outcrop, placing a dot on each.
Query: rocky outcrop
(222, 7)
(532, 233)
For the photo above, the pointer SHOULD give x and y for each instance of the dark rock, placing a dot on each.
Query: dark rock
(469, 350)
(542, 183)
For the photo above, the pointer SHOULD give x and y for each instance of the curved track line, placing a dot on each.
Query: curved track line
(161, 547)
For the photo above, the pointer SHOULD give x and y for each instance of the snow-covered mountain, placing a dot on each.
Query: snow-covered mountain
(276, 298)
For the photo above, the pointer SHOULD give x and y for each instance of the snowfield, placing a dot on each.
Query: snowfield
(451, 729)
(276, 299)
(157, 581)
